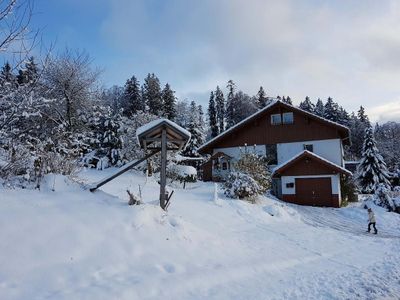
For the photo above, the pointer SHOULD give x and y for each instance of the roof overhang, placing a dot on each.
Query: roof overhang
(149, 135)
(279, 170)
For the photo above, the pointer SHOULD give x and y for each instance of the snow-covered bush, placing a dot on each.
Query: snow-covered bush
(241, 186)
(254, 166)
(181, 173)
(383, 197)
(396, 198)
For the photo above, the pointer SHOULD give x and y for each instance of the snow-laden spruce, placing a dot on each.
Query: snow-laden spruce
(372, 168)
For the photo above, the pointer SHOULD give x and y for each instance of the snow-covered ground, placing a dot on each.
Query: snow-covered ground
(73, 244)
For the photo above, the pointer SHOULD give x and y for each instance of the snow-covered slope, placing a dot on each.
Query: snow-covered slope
(73, 244)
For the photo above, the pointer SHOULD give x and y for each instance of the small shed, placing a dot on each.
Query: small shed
(217, 168)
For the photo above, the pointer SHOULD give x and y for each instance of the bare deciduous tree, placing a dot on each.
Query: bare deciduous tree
(71, 81)
(16, 38)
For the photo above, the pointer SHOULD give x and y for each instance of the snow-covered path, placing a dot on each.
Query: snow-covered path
(351, 220)
(73, 244)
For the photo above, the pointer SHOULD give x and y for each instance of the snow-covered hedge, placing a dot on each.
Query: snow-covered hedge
(386, 198)
(241, 186)
(181, 173)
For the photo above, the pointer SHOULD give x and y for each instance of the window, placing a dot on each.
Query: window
(290, 185)
(224, 166)
(287, 118)
(308, 147)
(276, 119)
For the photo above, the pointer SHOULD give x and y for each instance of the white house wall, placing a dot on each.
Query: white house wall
(235, 151)
(328, 149)
(335, 183)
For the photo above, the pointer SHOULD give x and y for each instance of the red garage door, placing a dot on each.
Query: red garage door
(314, 191)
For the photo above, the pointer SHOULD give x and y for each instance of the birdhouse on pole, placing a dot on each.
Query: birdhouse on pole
(157, 136)
(162, 135)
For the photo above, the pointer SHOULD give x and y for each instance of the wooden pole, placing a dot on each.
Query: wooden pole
(163, 172)
(122, 170)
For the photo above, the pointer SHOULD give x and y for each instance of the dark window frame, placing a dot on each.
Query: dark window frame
(308, 147)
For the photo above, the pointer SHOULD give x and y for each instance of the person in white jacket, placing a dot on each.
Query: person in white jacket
(371, 220)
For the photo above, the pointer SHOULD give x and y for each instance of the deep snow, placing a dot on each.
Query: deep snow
(73, 244)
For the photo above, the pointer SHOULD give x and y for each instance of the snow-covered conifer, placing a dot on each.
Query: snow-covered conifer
(372, 168)
(319, 108)
(152, 94)
(231, 105)
(169, 99)
(261, 98)
(29, 73)
(132, 100)
(307, 105)
(220, 107)
(212, 116)
(197, 136)
(331, 110)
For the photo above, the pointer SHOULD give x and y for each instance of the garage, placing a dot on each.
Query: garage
(309, 179)
(314, 191)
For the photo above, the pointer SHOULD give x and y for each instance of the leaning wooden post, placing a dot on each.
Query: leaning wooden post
(163, 172)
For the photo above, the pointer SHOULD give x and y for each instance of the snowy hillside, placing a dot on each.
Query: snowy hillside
(73, 244)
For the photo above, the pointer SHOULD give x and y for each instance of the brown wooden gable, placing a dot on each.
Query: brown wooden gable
(308, 163)
(258, 129)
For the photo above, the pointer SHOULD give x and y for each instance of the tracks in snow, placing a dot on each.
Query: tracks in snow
(332, 218)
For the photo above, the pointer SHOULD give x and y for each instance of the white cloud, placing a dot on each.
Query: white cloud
(316, 48)
(385, 112)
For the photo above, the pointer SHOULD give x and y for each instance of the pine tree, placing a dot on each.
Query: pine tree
(220, 105)
(343, 117)
(261, 98)
(231, 105)
(7, 77)
(307, 105)
(287, 100)
(362, 116)
(245, 106)
(331, 110)
(201, 124)
(132, 100)
(152, 94)
(169, 105)
(319, 108)
(357, 124)
(212, 116)
(29, 73)
(372, 168)
(194, 128)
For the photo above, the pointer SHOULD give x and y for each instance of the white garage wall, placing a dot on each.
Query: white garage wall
(335, 183)
(328, 149)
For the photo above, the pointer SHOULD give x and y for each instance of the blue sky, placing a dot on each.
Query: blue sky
(344, 49)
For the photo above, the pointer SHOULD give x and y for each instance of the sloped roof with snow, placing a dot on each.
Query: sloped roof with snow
(260, 112)
(150, 133)
(287, 164)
